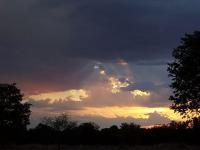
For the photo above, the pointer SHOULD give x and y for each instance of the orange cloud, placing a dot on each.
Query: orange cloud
(69, 95)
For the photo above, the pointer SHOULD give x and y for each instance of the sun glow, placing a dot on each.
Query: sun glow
(121, 86)
(134, 112)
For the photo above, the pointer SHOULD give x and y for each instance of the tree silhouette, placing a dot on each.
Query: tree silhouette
(178, 125)
(59, 123)
(185, 74)
(131, 126)
(87, 133)
(14, 115)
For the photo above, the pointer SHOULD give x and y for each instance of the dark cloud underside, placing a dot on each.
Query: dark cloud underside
(49, 39)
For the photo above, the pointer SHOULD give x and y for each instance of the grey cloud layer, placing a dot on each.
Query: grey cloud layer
(49, 40)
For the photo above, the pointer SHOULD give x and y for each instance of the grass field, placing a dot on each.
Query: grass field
(123, 147)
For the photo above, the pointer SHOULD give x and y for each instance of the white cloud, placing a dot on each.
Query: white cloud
(140, 93)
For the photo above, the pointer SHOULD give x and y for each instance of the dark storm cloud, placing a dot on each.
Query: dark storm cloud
(49, 40)
(96, 29)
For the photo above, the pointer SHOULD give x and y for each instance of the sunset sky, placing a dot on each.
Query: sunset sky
(103, 61)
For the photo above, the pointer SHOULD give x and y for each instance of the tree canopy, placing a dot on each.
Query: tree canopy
(59, 123)
(14, 114)
(185, 74)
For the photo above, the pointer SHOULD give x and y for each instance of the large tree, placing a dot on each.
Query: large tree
(14, 114)
(185, 74)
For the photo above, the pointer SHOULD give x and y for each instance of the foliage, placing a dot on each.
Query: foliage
(59, 123)
(195, 123)
(89, 126)
(128, 133)
(131, 126)
(14, 114)
(185, 74)
(179, 125)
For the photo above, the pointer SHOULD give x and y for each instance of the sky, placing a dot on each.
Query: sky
(103, 61)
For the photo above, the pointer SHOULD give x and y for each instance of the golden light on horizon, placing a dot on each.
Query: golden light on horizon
(125, 112)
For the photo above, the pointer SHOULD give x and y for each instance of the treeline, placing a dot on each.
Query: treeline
(60, 130)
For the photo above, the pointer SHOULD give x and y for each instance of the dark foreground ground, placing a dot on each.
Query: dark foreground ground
(122, 147)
